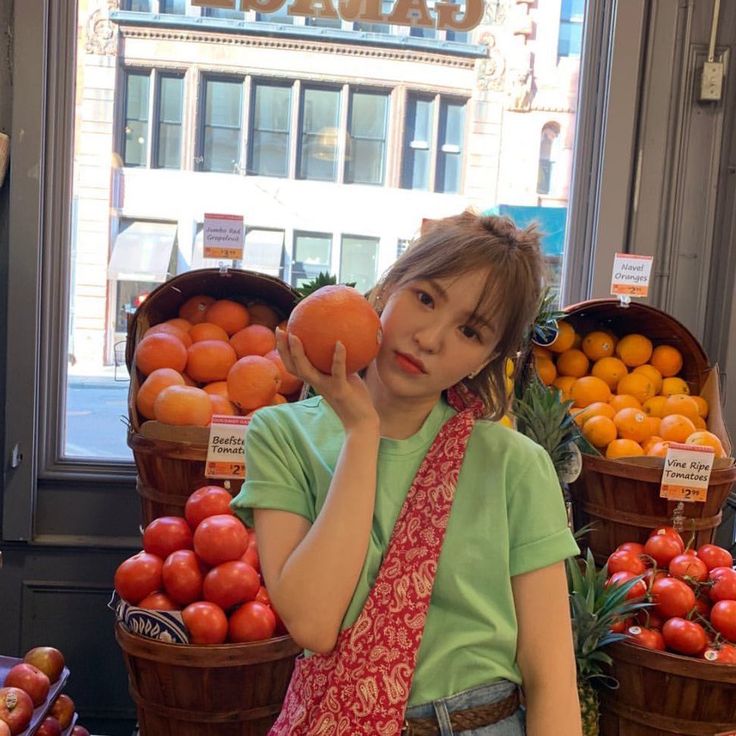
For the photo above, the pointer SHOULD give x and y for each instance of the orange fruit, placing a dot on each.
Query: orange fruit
(222, 405)
(253, 340)
(624, 401)
(210, 360)
(565, 338)
(598, 344)
(252, 382)
(160, 350)
(674, 385)
(707, 439)
(675, 428)
(699, 423)
(637, 385)
(216, 387)
(634, 349)
(667, 360)
(335, 313)
(230, 315)
(572, 363)
(703, 407)
(599, 431)
(649, 443)
(545, 370)
(596, 409)
(654, 423)
(289, 382)
(154, 384)
(564, 383)
(623, 448)
(681, 404)
(588, 389)
(539, 352)
(189, 381)
(632, 424)
(262, 314)
(654, 407)
(658, 449)
(279, 399)
(208, 331)
(182, 324)
(652, 373)
(183, 405)
(610, 370)
(170, 329)
(194, 308)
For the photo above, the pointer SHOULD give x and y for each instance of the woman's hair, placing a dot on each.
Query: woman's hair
(467, 243)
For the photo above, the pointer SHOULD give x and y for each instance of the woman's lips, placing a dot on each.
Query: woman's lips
(409, 364)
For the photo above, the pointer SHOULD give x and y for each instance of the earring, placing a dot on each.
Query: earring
(472, 375)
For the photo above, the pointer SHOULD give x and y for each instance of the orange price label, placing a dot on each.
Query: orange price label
(686, 472)
(631, 274)
(226, 448)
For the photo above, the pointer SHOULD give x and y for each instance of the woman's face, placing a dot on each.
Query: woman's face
(431, 337)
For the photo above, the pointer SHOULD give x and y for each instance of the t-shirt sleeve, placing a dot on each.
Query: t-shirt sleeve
(274, 477)
(538, 528)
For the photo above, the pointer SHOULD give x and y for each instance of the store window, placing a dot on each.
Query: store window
(169, 112)
(173, 7)
(141, 6)
(358, 261)
(319, 134)
(221, 125)
(224, 13)
(366, 154)
(311, 256)
(269, 139)
(572, 13)
(136, 134)
(449, 171)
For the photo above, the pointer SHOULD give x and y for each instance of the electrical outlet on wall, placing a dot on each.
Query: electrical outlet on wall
(711, 82)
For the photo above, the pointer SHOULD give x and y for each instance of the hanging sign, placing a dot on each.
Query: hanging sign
(224, 236)
(631, 275)
(461, 16)
(226, 449)
(686, 472)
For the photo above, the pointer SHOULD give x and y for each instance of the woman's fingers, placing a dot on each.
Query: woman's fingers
(282, 345)
(302, 367)
(339, 358)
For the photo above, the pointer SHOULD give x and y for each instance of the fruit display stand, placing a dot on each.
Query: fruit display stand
(170, 461)
(620, 497)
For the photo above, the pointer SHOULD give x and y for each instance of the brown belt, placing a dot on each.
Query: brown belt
(465, 720)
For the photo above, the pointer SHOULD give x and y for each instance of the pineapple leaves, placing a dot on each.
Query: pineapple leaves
(322, 279)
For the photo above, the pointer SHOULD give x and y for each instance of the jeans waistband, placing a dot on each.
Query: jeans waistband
(480, 695)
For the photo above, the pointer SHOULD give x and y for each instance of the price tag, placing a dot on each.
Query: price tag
(631, 274)
(224, 236)
(686, 472)
(226, 449)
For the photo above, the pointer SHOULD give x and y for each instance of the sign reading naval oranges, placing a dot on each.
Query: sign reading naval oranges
(461, 16)
(226, 449)
(686, 472)
(631, 274)
(224, 236)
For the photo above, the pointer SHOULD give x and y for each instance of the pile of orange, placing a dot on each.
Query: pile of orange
(217, 356)
(628, 396)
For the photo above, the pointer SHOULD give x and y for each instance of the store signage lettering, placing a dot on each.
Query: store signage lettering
(631, 275)
(226, 448)
(447, 16)
(686, 472)
(224, 236)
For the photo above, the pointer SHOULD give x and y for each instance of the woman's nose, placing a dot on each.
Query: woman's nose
(429, 337)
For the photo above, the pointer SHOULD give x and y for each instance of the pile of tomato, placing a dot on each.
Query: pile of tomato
(206, 566)
(691, 595)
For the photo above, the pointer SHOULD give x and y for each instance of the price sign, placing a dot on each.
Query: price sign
(631, 274)
(226, 449)
(686, 472)
(224, 236)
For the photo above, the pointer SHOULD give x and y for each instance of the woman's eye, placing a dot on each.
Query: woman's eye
(424, 298)
(469, 332)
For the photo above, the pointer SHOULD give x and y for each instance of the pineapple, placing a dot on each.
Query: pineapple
(594, 609)
(322, 279)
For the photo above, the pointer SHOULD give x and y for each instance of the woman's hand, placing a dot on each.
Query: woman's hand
(346, 394)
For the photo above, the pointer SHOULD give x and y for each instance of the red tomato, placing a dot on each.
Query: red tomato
(715, 556)
(662, 548)
(207, 501)
(138, 576)
(723, 618)
(702, 606)
(724, 584)
(16, 708)
(220, 538)
(166, 535)
(262, 596)
(667, 531)
(49, 727)
(206, 622)
(688, 566)
(634, 547)
(648, 638)
(231, 583)
(724, 654)
(182, 577)
(158, 601)
(619, 626)
(251, 554)
(625, 561)
(672, 597)
(683, 636)
(31, 679)
(649, 619)
(253, 621)
(619, 578)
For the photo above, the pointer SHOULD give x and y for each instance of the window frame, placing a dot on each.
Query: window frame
(203, 81)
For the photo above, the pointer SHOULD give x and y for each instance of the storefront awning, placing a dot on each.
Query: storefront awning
(142, 252)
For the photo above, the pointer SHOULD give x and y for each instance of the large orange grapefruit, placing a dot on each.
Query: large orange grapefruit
(335, 313)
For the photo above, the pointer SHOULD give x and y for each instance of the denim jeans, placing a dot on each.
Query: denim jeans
(482, 695)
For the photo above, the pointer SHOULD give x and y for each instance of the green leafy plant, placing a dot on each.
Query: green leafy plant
(323, 278)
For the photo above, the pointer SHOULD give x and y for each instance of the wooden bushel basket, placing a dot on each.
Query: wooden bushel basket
(171, 460)
(621, 497)
(661, 694)
(225, 690)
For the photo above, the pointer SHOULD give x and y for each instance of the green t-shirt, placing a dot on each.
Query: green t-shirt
(507, 518)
